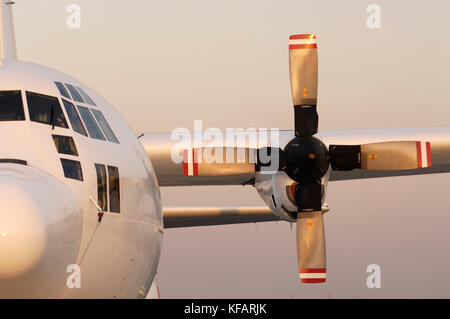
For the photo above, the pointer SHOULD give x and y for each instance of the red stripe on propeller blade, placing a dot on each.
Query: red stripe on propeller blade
(195, 161)
(428, 154)
(303, 46)
(419, 155)
(312, 270)
(185, 163)
(302, 36)
(312, 280)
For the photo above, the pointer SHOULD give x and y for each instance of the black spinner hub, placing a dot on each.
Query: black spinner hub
(307, 158)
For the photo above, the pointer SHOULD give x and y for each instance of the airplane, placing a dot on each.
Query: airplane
(79, 188)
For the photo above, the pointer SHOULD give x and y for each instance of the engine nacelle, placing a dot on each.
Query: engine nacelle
(277, 191)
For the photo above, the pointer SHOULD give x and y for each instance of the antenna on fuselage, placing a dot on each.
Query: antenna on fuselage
(7, 35)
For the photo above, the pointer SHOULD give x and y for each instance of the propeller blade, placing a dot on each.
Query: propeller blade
(310, 232)
(396, 155)
(303, 69)
(224, 161)
(218, 161)
(311, 255)
(381, 156)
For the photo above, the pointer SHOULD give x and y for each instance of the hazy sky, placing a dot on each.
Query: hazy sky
(163, 64)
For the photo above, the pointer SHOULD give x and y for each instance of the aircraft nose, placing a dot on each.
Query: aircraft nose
(22, 229)
(40, 232)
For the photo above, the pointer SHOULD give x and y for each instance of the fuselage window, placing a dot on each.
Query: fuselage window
(11, 106)
(86, 97)
(75, 95)
(105, 126)
(45, 109)
(91, 125)
(101, 187)
(72, 169)
(65, 145)
(114, 189)
(74, 118)
(62, 89)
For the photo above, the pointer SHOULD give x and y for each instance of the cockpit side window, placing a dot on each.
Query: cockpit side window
(74, 118)
(11, 106)
(114, 189)
(86, 97)
(72, 169)
(45, 109)
(105, 126)
(91, 125)
(102, 191)
(75, 95)
(65, 145)
(62, 89)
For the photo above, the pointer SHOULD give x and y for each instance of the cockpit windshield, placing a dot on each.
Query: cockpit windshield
(45, 109)
(75, 95)
(11, 106)
(62, 89)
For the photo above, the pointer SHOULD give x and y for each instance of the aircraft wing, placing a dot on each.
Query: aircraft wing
(159, 147)
(208, 216)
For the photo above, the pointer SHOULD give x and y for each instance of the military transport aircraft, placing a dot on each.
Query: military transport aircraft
(79, 187)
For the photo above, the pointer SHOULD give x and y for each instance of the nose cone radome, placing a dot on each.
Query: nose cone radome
(40, 232)
(22, 229)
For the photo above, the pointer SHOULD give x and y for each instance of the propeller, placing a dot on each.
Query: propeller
(306, 159)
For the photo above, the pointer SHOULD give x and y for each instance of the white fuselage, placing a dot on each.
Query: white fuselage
(49, 221)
